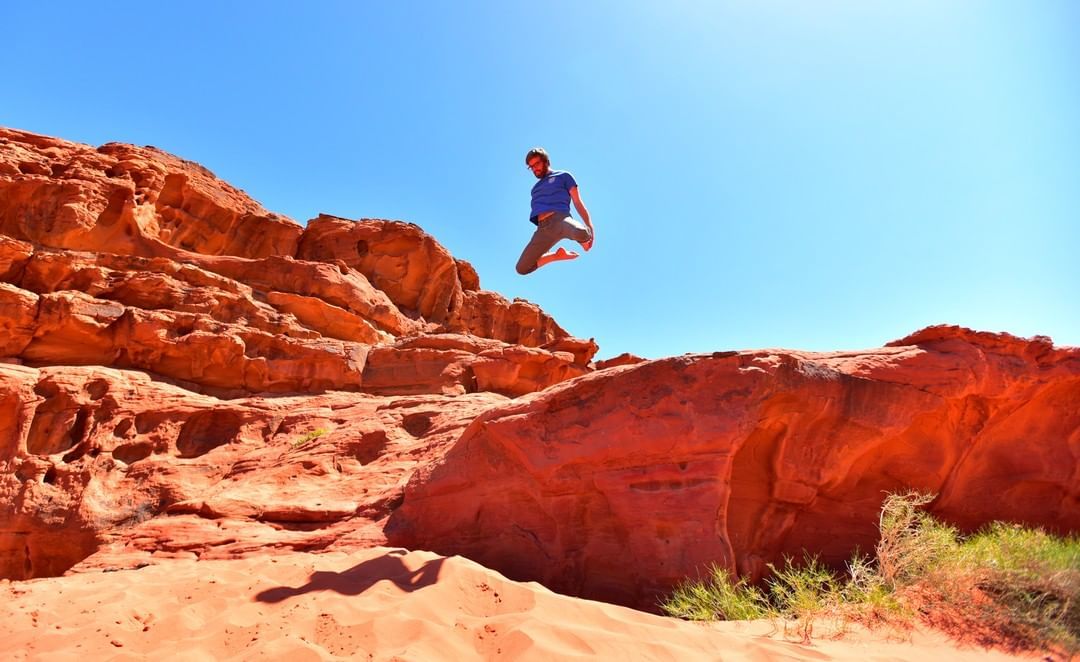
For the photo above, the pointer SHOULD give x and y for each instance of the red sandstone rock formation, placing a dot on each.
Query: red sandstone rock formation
(421, 277)
(183, 373)
(616, 361)
(620, 484)
(66, 195)
(128, 468)
(182, 275)
(124, 258)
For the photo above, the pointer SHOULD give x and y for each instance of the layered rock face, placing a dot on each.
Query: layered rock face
(128, 468)
(130, 257)
(66, 195)
(164, 339)
(185, 374)
(618, 485)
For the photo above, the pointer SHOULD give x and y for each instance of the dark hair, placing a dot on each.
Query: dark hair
(538, 151)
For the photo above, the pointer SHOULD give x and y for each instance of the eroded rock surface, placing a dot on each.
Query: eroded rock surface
(618, 485)
(185, 374)
(68, 195)
(130, 257)
(117, 464)
(421, 277)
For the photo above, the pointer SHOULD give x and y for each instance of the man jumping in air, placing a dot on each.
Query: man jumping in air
(551, 197)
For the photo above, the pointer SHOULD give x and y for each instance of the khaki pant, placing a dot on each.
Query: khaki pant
(550, 231)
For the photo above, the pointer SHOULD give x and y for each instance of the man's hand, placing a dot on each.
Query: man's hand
(584, 213)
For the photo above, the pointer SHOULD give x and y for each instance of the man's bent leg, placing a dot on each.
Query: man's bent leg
(542, 241)
(570, 228)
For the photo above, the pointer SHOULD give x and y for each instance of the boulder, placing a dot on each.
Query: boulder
(617, 485)
(106, 468)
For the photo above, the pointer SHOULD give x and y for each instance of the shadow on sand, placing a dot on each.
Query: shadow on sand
(360, 578)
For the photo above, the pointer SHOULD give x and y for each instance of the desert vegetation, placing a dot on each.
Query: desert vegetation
(1006, 585)
(308, 437)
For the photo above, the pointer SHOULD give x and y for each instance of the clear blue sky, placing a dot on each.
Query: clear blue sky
(813, 175)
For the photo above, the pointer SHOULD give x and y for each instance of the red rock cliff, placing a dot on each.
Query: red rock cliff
(183, 373)
(149, 312)
(618, 485)
(130, 257)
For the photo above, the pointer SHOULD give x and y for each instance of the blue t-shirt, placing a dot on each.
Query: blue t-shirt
(552, 193)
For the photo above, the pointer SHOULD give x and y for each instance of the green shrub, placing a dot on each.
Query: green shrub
(866, 597)
(1024, 580)
(308, 437)
(911, 543)
(717, 598)
(1006, 585)
(801, 593)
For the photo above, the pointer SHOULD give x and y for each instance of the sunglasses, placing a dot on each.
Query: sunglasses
(533, 165)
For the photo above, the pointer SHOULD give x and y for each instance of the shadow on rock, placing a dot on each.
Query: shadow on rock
(360, 578)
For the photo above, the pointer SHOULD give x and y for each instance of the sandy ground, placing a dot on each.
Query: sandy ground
(380, 604)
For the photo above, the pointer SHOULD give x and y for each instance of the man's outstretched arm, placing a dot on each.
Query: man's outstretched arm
(584, 214)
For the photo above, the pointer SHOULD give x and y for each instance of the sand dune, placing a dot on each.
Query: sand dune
(379, 604)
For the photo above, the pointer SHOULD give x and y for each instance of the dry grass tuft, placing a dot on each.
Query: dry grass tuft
(1007, 586)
